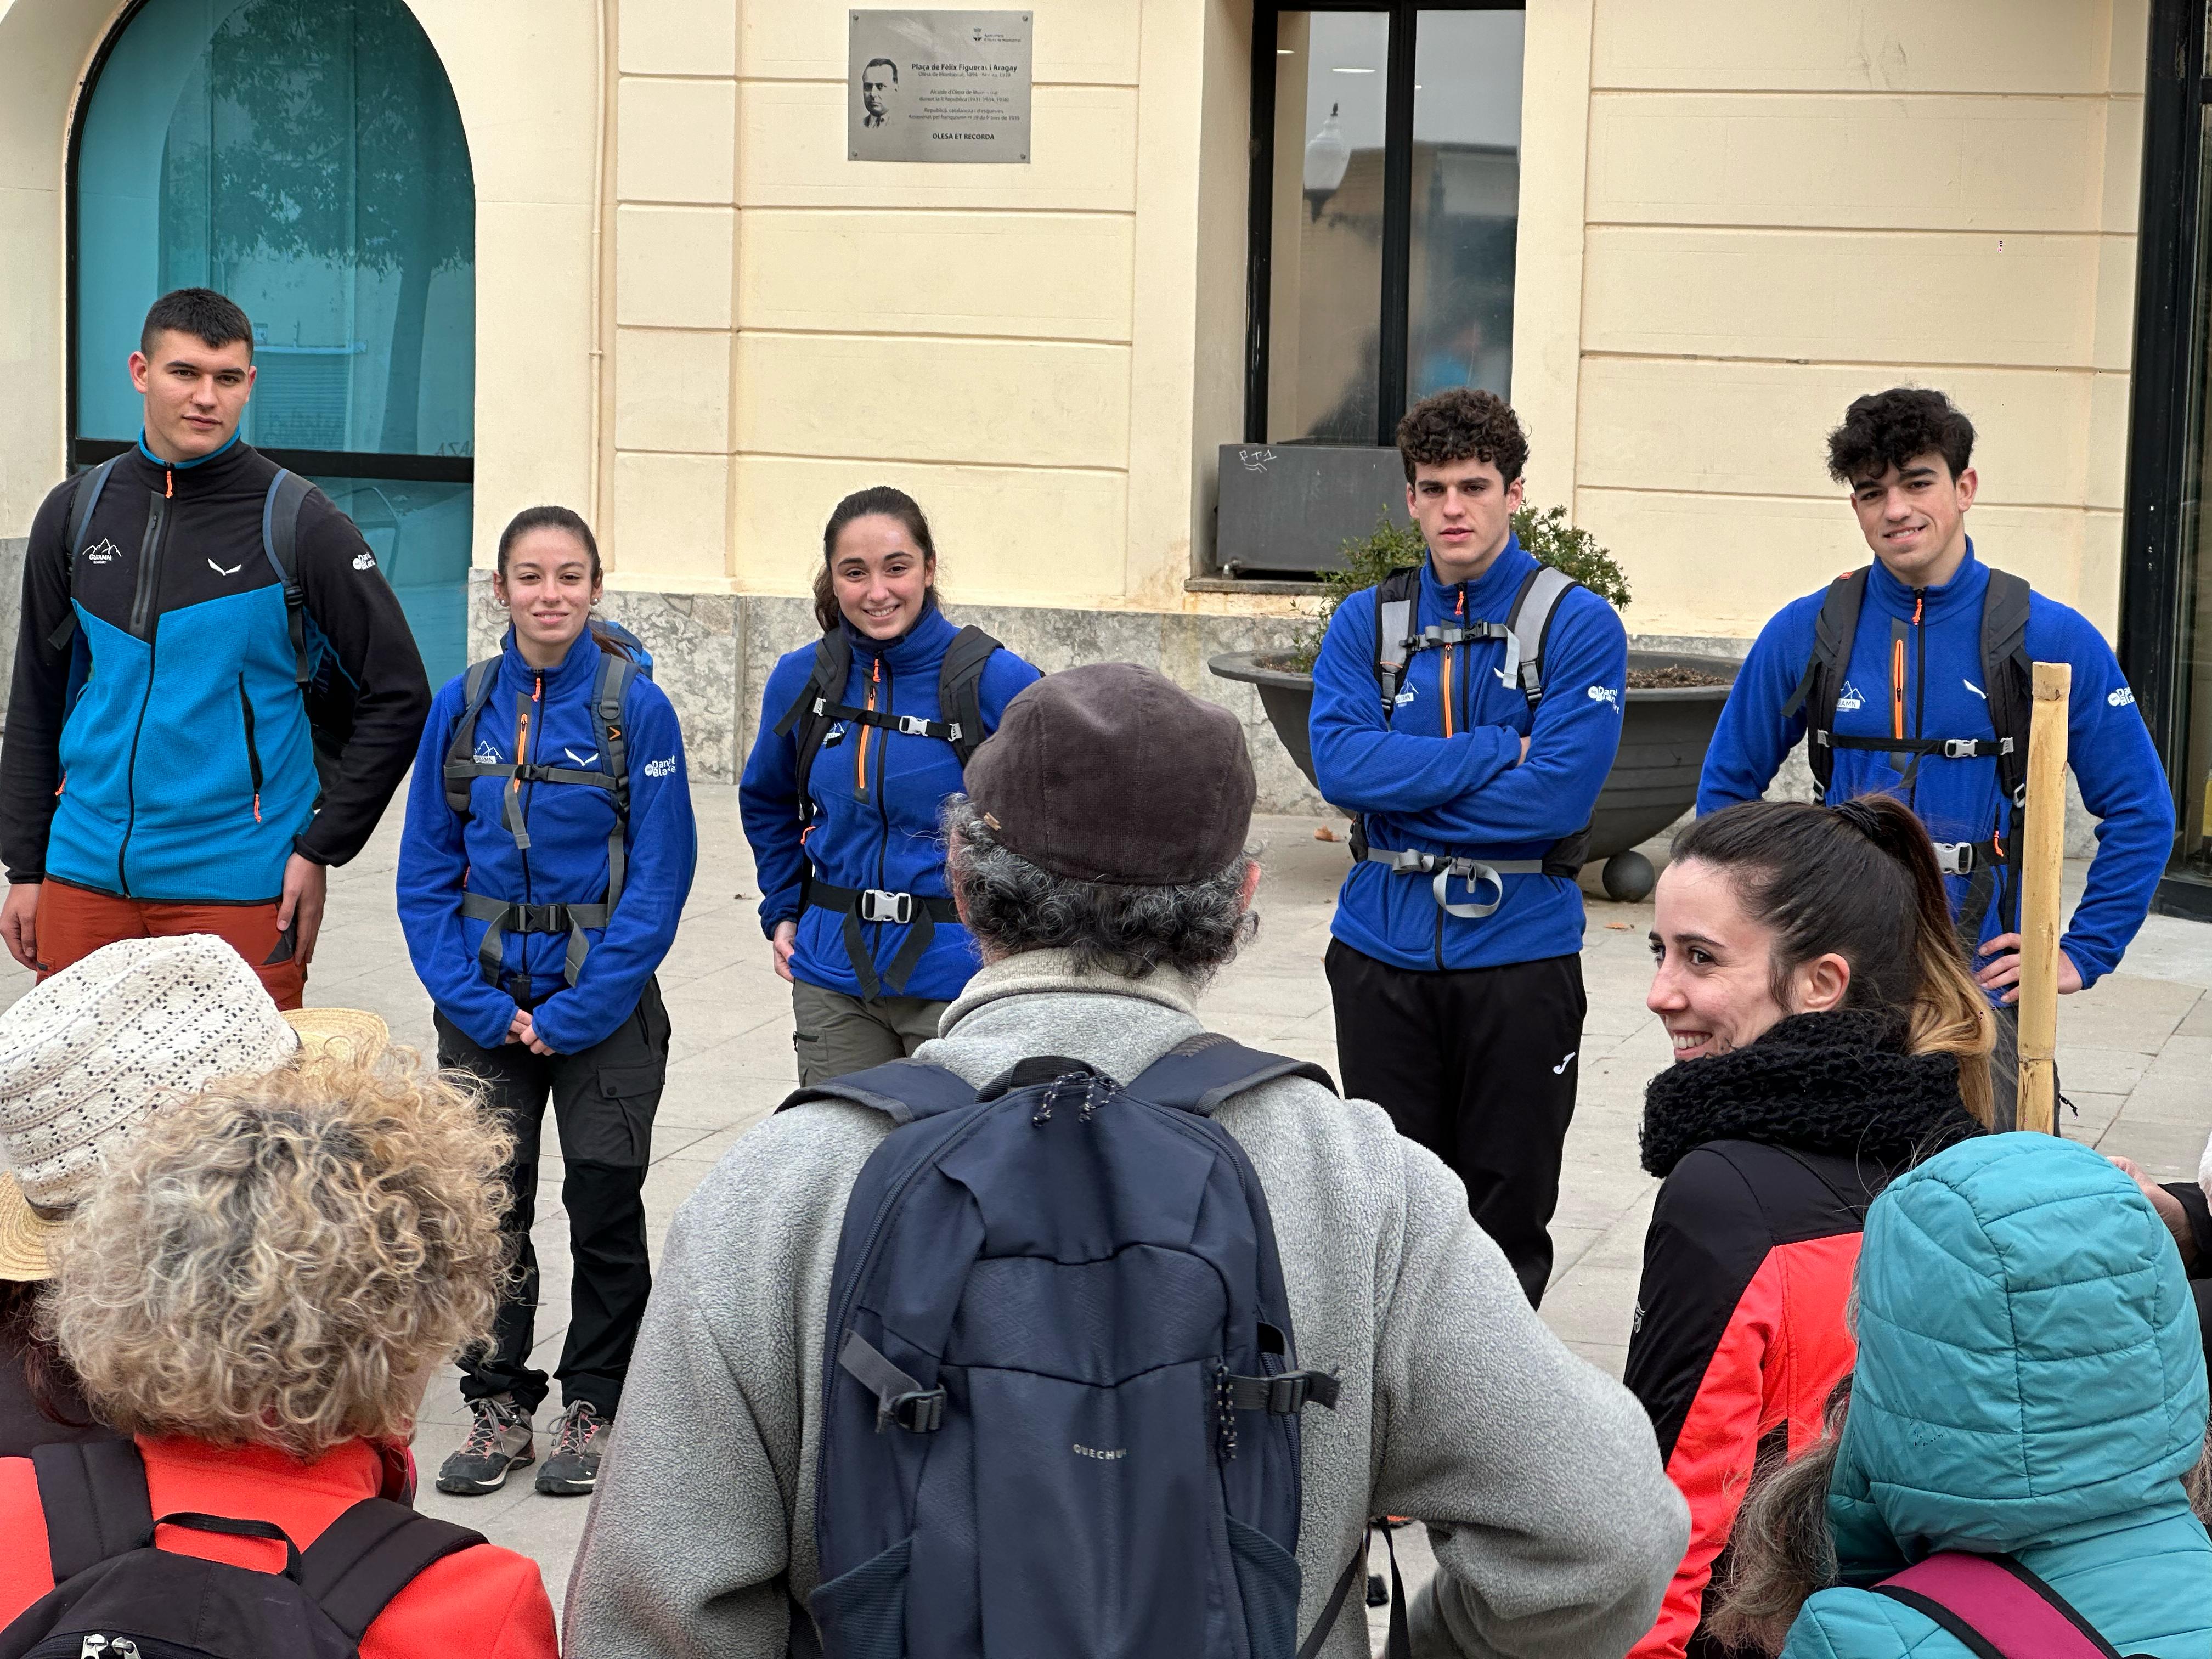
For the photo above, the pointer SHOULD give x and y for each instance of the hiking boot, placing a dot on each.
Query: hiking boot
(572, 1468)
(498, 1442)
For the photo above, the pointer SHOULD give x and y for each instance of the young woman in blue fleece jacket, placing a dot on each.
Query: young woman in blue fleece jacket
(852, 873)
(535, 917)
(1915, 665)
(1465, 1027)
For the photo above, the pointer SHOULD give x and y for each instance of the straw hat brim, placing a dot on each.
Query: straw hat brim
(326, 1030)
(23, 1236)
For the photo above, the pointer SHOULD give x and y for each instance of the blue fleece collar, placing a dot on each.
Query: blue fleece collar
(1492, 591)
(919, 648)
(1962, 594)
(185, 467)
(576, 670)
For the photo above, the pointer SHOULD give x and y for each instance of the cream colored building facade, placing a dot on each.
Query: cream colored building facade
(700, 323)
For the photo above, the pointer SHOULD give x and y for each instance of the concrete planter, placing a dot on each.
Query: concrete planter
(1665, 731)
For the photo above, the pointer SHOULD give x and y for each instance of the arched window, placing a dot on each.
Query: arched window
(306, 158)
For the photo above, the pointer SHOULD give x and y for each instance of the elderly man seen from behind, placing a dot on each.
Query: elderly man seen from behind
(1099, 859)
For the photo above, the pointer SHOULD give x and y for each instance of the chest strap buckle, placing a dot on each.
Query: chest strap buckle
(877, 905)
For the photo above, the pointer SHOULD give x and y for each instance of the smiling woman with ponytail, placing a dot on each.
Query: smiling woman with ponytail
(1827, 1036)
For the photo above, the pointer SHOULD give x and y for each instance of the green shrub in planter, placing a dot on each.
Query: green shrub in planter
(1549, 539)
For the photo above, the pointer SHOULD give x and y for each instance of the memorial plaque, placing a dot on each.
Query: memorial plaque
(938, 86)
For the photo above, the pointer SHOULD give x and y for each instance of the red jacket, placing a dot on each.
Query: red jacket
(1741, 1333)
(485, 1602)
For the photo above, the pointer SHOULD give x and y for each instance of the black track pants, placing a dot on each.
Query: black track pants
(604, 1100)
(1478, 1064)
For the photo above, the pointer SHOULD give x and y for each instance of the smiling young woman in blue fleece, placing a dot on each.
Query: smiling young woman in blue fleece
(536, 918)
(851, 866)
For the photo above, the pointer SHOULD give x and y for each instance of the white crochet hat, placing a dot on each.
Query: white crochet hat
(89, 1053)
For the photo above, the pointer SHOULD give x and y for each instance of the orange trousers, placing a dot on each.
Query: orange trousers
(74, 923)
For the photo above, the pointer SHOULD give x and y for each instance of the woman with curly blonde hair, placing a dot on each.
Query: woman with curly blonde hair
(258, 1292)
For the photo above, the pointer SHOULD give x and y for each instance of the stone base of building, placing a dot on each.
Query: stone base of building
(712, 653)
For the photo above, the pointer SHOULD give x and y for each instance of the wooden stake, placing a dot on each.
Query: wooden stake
(2041, 857)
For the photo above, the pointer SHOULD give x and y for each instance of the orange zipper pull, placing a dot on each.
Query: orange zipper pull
(256, 806)
(538, 689)
(168, 481)
(1919, 607)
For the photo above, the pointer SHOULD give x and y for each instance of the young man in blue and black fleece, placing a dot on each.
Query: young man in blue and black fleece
(1455, 963)
(1914, 673)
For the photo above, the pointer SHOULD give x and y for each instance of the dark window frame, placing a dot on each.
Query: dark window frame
(2172, 311)
(82, 452)
(1394, 302)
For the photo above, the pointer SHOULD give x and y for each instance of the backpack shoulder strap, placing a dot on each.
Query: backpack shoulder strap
(1200, 1072)
(83, 499)
(1822, 681)
(2006, 669)
(609, 687)
(86, 497)
(1530, 619)
(95, 1502)
(460, 766)
(369, 1554)
(1393, 627)
(808, 710)
(903, 1090)
(959, 689)
(1995, 1608)
(280, 544)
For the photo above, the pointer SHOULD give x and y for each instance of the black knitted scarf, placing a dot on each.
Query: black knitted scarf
(1839, 1082)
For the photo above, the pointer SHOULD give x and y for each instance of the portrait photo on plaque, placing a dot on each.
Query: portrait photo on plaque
(938, 86)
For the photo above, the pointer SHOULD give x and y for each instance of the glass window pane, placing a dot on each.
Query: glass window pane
(1324, 317)
(306, 158)
(2195, 625)
(1466, 196)
(420, 535)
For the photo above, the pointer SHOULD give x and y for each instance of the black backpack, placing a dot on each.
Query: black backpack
(622, 659)
(116, 1597)
(1526, 631)
(959, 698)
(330, 694)
(2006, 682)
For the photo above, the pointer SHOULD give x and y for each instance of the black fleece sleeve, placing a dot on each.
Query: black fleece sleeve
(2191, 1197)
(360, 614)
(30, 754)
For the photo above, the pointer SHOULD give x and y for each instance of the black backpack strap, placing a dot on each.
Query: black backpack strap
(1395, 597)
(462, 767)
(2006, 676)
(959, 689)
(1399, 1644)
(83, 499)
(902, 1089)
(280, 544)
(808, 710)
(369, 1554)
(1202, 1071)
(609, 689)
(1822, 681)
(95, 1502)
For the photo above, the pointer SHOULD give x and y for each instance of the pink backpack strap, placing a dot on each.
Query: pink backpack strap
(1997, 1608)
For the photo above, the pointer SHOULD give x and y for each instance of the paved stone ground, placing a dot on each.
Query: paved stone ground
(2135, 1054)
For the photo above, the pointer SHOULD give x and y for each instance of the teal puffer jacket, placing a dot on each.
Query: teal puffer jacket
(2030, 1380)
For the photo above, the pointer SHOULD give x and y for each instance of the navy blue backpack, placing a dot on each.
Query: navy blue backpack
(1060, 1405)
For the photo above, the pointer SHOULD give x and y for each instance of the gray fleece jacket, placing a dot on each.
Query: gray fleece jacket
(1554, 1526)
